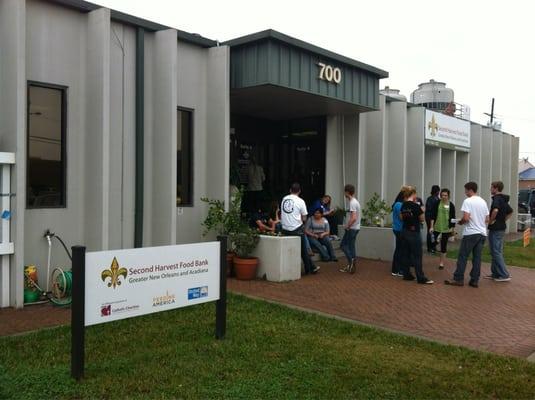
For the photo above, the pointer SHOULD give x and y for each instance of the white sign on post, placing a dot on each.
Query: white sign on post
(127, 283)
(445, 131)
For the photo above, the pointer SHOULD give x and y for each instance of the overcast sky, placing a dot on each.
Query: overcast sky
(481, 49)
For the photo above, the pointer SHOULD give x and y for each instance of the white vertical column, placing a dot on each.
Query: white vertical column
(97, 144)
(474, 173)
(350, 132)
(515, 142)
(433, 169)
(372, 131)
(334, 175)
(13, 131)
(461, 177)
(447, 170)
(506, 169)
(164, 138)
(496, 156)
(486, 163)
(395, 166)
(415, 148)
(218, 123)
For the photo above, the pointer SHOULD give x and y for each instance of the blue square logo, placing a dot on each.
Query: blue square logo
(197, 293)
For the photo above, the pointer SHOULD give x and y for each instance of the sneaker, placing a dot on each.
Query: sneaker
(473, 284)
(315, 269)
(440, 267)
(353, 266)
(453, 282)
(502, 279)
(426, 282)
(409, 278)
(489, 277)
(397, 274)
(345, 269)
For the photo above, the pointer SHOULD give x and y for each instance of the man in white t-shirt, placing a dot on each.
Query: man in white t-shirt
(293, 216)
(352, 227)
(475, 219)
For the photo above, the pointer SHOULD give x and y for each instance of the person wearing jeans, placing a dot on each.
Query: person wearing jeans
(470, 244)
(498, 269)
(293, 216)
(352, 227)
(475, 219)
(500, 212)
(411, 240)
(397, 227)
(317, 230)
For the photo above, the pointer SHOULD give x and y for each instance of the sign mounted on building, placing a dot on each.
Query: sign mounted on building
(128, 283)
(446, 132)
(329, 73)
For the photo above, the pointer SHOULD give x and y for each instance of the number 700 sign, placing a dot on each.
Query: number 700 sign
(329, 73)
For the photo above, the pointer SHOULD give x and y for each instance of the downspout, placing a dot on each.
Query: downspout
(140, 121)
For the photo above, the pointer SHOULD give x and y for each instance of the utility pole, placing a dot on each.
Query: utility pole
(491, 115)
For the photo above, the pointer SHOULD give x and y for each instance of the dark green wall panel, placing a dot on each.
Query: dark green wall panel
(270, 61)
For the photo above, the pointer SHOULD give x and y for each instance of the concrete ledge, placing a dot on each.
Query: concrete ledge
(279, 258)
(376, 243)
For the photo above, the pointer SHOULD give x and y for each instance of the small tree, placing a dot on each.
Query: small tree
(375, 211)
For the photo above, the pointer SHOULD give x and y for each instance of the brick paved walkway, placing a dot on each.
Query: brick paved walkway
(496, 317)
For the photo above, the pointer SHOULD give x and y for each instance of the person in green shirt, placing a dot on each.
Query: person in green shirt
(442, 223)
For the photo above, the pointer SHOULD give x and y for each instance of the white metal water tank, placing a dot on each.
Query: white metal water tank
(433, 95)
(394, 93)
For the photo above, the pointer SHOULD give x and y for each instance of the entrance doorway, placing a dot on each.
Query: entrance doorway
(288, 151)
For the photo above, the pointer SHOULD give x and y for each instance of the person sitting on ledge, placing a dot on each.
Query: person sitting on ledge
(317, 231)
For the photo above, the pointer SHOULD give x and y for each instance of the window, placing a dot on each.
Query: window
(46, 146)
(184, 158)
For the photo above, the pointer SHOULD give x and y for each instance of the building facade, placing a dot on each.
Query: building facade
(119, 126)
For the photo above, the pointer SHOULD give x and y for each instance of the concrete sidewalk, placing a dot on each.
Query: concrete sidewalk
(496, 317)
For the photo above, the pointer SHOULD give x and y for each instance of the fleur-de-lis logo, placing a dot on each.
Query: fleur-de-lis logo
(114, 273)
(433, 126)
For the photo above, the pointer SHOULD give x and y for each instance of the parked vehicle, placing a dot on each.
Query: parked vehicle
(526, 201)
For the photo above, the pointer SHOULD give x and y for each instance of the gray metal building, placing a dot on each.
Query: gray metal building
(119, 126)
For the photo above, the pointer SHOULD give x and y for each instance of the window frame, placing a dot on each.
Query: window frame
(64, 106)
(191, 132)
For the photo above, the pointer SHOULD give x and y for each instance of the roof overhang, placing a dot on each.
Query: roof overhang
(270, 60)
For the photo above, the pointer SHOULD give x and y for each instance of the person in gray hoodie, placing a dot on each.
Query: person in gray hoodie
(500, 211)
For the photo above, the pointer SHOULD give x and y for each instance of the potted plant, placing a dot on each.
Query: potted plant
(224, 223)
(245, 240)
(375, 211)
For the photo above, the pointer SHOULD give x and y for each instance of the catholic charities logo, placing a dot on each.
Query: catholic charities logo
(168, 298)
(105, 311)
(114, 274)
(433, 126)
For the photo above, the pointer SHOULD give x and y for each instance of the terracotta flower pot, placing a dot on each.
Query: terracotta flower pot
(245, 268)
(230, 263)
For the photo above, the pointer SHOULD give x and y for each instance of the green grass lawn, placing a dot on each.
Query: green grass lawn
(271, 352)
(514, 253)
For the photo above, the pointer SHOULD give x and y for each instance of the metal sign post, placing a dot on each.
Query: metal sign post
(78, 312)
(221, 304)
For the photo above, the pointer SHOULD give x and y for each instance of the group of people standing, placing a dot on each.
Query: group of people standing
(440, 217)
(408, 216)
